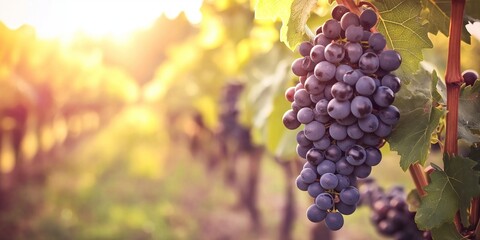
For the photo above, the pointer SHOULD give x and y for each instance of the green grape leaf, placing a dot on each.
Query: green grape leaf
(400, 23)
(438, 20)
(419, 118)
(293, 34)
(293, 14)
(464, 181)
(449, 191)
(446, 231)
(264, 103)
(469, 113)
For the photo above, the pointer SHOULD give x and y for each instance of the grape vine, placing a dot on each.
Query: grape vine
(330, 101)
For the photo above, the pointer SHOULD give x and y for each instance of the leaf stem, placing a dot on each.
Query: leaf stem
(416, 170)
(453, 80)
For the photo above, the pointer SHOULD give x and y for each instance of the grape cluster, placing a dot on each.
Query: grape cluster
(390, 215)
(343, 98)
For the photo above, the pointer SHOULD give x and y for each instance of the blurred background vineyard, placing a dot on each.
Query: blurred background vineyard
(167, 131)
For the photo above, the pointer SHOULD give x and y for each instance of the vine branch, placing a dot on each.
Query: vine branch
(453, 81)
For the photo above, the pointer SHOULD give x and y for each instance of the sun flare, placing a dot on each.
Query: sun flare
(64, 18)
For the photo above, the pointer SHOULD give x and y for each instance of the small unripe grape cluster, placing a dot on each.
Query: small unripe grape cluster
(343, 99)
(390, 214)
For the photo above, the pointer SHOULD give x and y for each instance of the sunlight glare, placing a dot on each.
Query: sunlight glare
(64, 18)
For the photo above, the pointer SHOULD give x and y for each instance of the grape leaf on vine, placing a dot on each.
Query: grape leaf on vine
(400, 23)
(438, 20)
(446, 231)
(419, 118)
(449, 191)
(294, 15)
(266, 102)
(469, 114)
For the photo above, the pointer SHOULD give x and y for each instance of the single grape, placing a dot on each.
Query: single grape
(350, 195)
(314, 86)
(324, 201)
(343, 167)
(300, 184)
(323, 143)
(302, 151)
(308, 175)
(331, 28)
(365, 86)
(315, 214)
(345, 209)
(305, 48)
(368, 62)
(383, 96)
(338, 11)
(356, 155)
(390, 60)
(289, 94)
(314, 130)
(334, 221)
(297, 68)
(315, 156)
(349, 19)
(377, 42)
(337, 131)
(314, 189)
(325, 71)
(361, 107)
(369, 123)
(321, 107)
(326, 166)
(305, 115)
(354, 33)
(469, 77)
(328, 181)
(290, 120)
(302, 140)
(374, 156)
(391, 81)
(302, 98)
(353, 51)
(337, 109)
(317, 54)
(354, 131)
(295, 107)
(334, 52)
(389, 115)
(341, 91)
(362, 171)
(383, 130)
(341, 70)
(321, 39)
(368, 18)
(371, 139)
(333, 152)
(351, 77)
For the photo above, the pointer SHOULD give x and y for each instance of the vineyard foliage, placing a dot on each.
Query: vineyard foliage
(240, 41)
